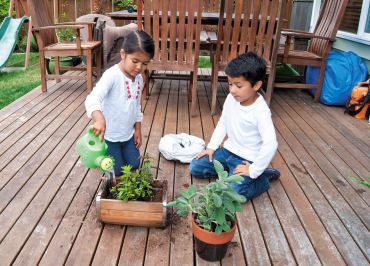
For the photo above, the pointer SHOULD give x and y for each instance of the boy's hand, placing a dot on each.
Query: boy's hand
(242, 169)
(99, 124)
(208, 152)
(137, 135)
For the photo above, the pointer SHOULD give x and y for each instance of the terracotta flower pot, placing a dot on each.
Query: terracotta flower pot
(209, 245)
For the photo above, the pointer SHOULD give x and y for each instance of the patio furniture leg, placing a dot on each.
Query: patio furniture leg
(89, 70)
(320, 81)
(194, 91)
(43, 71)
(190, 96)
(214, 81)
(146, 84)
(269, 89)
(56, 67)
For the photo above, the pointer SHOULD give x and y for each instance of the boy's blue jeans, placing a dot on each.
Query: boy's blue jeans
(124, 153)
(249, 188)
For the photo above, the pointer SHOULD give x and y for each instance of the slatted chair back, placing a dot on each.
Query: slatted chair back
(327, 26)
(41, 17)
(175, 28)
(176, 37)
(247, 26)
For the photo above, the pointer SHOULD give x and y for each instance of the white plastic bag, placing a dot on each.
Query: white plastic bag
(182, 147)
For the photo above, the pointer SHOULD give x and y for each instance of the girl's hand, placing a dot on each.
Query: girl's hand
(242, 169)
(208, 152)
(99, 124)
(137, 137)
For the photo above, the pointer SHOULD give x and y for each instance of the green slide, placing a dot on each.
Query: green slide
(9, 31)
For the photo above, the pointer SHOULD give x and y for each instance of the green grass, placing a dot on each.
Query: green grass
(16, 84)
(204, 62)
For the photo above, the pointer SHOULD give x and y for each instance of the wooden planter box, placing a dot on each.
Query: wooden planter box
(138, 213)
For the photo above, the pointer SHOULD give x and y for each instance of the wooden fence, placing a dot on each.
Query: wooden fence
(68, 10)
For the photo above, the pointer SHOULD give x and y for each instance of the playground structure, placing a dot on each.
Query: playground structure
(9, 31)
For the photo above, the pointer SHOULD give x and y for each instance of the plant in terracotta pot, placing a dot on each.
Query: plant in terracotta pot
(213, 209)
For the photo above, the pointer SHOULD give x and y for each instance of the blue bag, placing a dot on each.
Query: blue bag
(343, 71)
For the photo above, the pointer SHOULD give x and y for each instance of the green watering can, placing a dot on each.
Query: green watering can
(93, 152)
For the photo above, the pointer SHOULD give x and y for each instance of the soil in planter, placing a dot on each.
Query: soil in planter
(210, 252)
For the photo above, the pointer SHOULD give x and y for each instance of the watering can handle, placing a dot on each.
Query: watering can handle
(90, 132)
(90, 129)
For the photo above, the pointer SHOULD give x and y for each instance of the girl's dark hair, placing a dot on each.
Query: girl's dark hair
(250, 66)
(135, 41)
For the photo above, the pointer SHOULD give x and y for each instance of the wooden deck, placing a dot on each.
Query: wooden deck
(313, 215)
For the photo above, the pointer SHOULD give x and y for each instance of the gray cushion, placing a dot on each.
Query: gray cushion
(110, 34)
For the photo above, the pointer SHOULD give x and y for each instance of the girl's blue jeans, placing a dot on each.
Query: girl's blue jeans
(124, 153)
(250, 188)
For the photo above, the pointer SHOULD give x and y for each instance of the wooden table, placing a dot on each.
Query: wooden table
(208, 18)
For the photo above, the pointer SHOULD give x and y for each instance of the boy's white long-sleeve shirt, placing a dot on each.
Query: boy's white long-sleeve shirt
(118, 97)
(250, 131)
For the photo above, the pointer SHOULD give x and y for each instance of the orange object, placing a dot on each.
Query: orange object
(358, 104)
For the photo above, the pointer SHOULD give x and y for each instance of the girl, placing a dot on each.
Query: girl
(114, 103)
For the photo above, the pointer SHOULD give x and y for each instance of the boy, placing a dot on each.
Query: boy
(246, 120)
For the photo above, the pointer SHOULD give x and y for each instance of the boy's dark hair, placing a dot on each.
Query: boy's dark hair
(135, 41)
(249, 65)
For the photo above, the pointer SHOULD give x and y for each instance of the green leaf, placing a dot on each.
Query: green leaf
(217, 200)
(218, 166)
(235, 196)
(218, 230)
(220, 216)
(183, 212)
(237, 207)
(192, 191)
(225, 227)
(234, 179)
(229, 205)
(223, 175)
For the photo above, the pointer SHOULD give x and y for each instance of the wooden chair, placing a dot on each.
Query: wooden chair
(318, 50)
(176, 38)
(49, 47)
(247, 26)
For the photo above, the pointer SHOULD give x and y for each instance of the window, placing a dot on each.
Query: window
(356, 21)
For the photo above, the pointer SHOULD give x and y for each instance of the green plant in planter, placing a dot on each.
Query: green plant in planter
(125, 4)
(66, 34)
(213, 206)
(134, 185)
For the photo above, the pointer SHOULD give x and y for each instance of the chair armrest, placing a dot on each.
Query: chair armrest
(77, 29)
(76, 23)
(303, 34)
